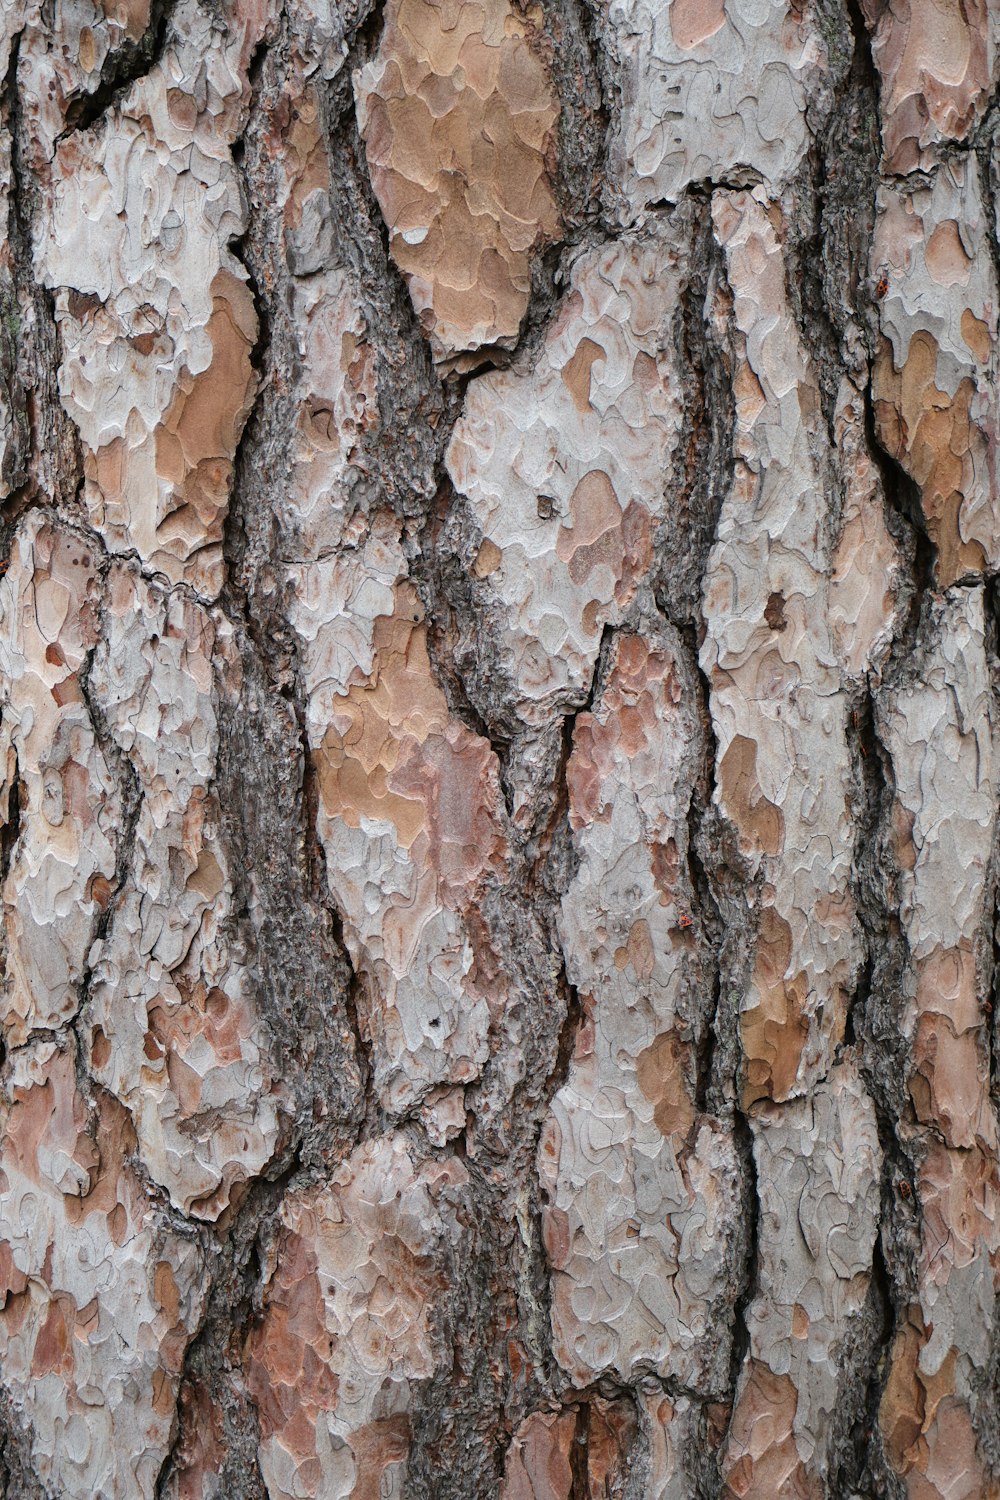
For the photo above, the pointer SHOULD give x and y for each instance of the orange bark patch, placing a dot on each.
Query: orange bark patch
(538, 1461)
(934, 63)
(595, 536)
(288, 1373)
(761, 1460)
(375, 1447)
(946, 257)
(694, 21)
(394, 753)
(927, 1430)
(628, 723)
(960, 1197)
(53, 1354)
(934, 437)
(950, 1083)
(488, 559)
(576, 372)
(457, 113)
(774, 1031)
(663, 1070)
(196, 441)
(976, 334)
(759, 821)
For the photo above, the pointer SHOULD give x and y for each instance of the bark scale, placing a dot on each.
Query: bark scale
(498, 651)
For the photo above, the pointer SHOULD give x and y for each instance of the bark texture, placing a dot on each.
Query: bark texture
(499, 750)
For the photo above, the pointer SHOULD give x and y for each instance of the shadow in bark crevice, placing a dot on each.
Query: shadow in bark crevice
(47, 460)
(122, 67)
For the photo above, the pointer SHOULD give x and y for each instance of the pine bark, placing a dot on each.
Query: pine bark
(498, 654)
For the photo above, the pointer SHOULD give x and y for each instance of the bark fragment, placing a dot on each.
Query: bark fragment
(938, 725)
(347, 1324)
(709, 92)
(100, 1293)
(818, 1166)
(171, 1028)
(934, 379)
(156, 319)
(563, 465)
(937, 64)
(457, 113)
(61, 871)
(641, 1184)
(778, 703)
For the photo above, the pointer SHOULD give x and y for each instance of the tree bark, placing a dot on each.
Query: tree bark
(498, 649)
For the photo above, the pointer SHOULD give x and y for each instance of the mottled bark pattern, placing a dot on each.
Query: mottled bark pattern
(500, 750)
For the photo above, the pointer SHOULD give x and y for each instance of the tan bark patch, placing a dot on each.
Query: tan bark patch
(458, 113)
(758, 819)
(761, 1458)
(935, 61)
(933, 436)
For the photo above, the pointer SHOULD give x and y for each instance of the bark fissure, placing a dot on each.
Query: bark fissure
(123, 66)
(873, 1022)
(48, 462)
(131, 798)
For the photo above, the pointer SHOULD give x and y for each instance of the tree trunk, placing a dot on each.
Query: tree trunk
(498, 644)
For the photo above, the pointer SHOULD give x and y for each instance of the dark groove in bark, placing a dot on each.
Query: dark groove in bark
(11, 827)
(121, 68)
(580, 1487)
(750, 1271)
(15, 471)
(18, 1480)
(902, 495)
(447, 592)
(710, 936)
(858, 1472)
(864, 57)
(212, 1359)
(883, 1059)
(701, 474)
(574, 54)
(50, 464)
(130, 793)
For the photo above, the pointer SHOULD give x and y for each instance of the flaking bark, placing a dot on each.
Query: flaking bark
(498, 667)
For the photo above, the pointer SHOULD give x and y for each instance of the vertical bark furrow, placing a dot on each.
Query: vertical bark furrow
(950, 1117)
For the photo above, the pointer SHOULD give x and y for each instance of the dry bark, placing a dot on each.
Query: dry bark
(500, 749)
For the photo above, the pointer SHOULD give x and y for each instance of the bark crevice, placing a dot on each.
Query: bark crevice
(122, 67)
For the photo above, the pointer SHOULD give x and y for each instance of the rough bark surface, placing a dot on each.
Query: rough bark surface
(500, 749)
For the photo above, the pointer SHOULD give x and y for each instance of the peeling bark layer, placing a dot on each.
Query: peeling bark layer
(499, 851)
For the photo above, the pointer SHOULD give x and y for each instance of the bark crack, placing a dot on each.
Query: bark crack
(48, 466)
(122, 67)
